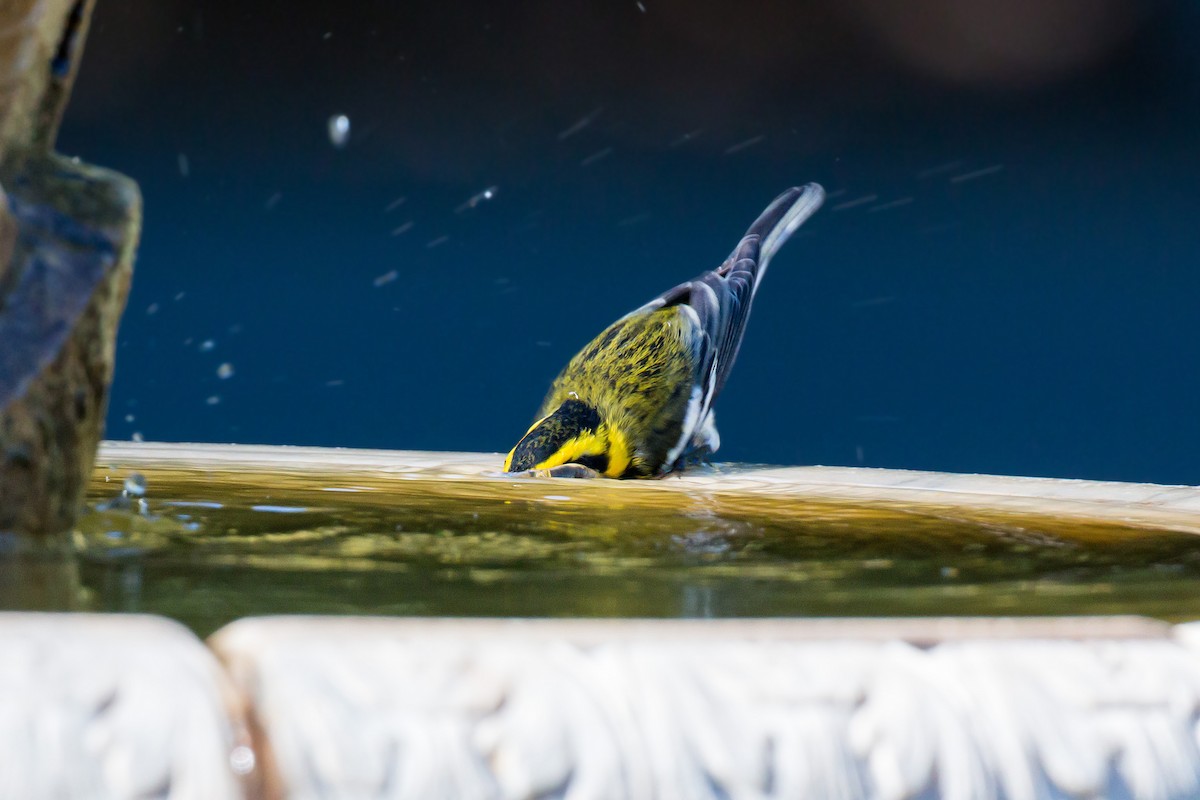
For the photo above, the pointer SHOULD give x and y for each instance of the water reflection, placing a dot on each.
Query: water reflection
(209, 548)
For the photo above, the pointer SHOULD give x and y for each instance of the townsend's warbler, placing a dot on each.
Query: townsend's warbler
(636, 402)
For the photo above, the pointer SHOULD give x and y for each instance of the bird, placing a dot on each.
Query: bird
(637, 401)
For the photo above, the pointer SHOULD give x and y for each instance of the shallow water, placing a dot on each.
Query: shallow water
(206, 548)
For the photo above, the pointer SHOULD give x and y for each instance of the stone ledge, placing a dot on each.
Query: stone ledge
(1149, 505)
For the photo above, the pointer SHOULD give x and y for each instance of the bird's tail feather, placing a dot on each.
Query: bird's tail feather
(778, 222)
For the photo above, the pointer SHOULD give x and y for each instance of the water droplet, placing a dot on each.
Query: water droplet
(579, 124)
(207, 345)
(213, 400)
(225, 371)
(241, 760)
(596, 156)
(481, 196)
(339, 130)
(135, 485)
(744, 144)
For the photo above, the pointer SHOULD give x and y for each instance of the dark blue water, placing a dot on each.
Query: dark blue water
(1019, 296)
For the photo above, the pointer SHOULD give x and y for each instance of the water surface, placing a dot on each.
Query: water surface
(209, 547)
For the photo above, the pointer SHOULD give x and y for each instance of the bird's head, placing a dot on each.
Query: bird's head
(571, 434)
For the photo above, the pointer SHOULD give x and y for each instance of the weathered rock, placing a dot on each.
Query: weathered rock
(8, 240)
(67, 238)
(70, 275)
(40, 45)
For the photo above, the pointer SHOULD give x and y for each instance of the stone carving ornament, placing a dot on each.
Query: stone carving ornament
(395, 709)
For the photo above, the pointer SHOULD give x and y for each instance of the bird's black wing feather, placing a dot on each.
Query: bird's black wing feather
(721, 298)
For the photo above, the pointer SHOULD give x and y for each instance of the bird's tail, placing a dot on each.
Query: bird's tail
(778, 222)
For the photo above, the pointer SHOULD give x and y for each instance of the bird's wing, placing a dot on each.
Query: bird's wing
(721, 298)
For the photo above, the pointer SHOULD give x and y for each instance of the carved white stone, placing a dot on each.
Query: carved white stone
(511, 709)
(98, 706)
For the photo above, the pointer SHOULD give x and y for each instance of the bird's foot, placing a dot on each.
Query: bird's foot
(696, 457)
